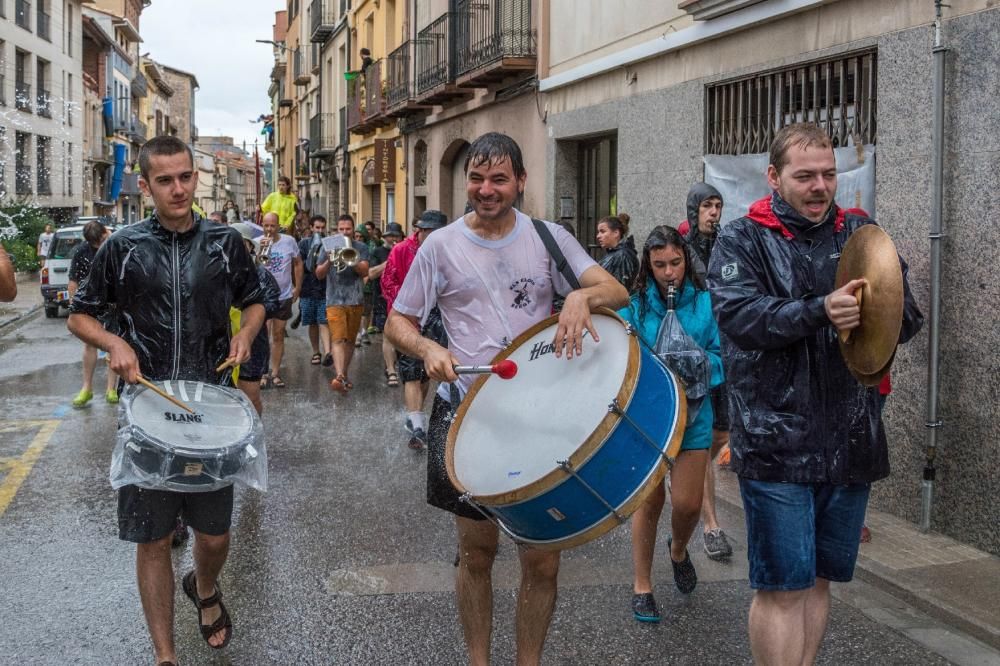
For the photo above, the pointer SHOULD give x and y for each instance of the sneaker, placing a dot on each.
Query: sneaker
(180, 534)
(357, 342)
(82, 398)
(408, 425)
(111, 397)
(418, 439)
(685, 577)
(717, 545)
(365, 339)
(644, 607)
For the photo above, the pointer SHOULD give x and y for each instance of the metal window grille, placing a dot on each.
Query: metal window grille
(838, 94)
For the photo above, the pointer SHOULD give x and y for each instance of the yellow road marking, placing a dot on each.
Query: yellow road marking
(19, 468)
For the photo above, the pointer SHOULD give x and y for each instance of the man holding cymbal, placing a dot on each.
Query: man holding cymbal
(806, 437)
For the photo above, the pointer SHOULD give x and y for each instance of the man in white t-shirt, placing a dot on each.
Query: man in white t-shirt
(44, 242)
(285, 264)
(491, 277)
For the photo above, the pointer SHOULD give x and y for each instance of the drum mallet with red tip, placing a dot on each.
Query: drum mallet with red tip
(504, 369)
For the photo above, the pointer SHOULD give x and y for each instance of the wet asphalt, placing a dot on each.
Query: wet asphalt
(340, 562)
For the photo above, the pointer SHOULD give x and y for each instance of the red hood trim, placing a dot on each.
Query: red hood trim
(761, 213)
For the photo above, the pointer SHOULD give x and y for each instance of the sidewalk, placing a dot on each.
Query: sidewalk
(29, 300)
(948, 580)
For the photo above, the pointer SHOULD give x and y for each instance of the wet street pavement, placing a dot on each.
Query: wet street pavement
(341, 561)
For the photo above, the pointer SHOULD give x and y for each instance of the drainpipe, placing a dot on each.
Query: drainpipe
(933, 422)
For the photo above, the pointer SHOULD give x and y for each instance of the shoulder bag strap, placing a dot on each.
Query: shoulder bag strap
(557, 255)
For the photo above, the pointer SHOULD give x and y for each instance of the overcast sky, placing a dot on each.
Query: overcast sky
(214, 40)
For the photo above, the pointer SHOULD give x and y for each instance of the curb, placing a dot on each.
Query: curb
(21, 317)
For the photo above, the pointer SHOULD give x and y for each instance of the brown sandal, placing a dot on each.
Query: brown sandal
(222, 623)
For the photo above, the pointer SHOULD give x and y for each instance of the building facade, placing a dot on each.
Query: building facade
(41, 93)
(181, 122)
(640, 104)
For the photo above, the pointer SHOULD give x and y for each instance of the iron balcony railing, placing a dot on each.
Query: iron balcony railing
(139, 86)
(374, 95)
(354, 102)
(399, 83)
(299, 68)
(22, 14)
(324, 19)
(44, 103)
(22, 96)
(323, 135)
(43, 24)
(130, 184)
(433, 48)
(491, 31)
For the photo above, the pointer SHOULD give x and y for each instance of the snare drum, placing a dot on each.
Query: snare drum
(568, 448)
(166, 447)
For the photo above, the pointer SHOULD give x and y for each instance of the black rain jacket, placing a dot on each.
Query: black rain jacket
(173, 292)
(796, 412)
(700, 244)
(622, 262)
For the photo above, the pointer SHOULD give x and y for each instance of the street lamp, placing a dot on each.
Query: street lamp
(278, 45)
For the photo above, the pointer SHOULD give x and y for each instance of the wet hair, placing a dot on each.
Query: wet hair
(493, 148)
(316, 218)
(286, 180)
(347, 217)
(617, 223)
(93, 232)
(660, 237)
(161, 146)
(798, 134)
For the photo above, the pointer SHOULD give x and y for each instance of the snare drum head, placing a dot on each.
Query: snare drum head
(223, 417)
(513, 432)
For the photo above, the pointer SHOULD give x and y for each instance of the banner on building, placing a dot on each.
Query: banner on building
(742, 179)
(385, 160)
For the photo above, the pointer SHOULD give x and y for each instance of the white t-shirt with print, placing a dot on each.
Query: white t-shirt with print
(488, 291)
(279, 263)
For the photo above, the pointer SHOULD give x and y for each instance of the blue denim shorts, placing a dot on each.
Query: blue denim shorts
(313, 311)
(797, 532)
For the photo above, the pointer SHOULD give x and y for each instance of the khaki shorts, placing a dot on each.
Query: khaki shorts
(344, 321)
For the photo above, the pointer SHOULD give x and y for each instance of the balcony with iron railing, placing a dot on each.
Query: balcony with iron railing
(139, 86)
(22, 13)
(356, 107)
(43, 24)
(435, 76)
(43, 103)
(323, 135)
(494, 40)
(137, 132)
(22, 96)
(299, 68)
(399, 88)
(375, 88)
(323, 20)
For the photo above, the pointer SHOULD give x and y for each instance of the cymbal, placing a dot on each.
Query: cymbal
(873, 379)
(871, 254)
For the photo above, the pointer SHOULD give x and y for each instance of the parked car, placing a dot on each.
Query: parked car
(55, 274)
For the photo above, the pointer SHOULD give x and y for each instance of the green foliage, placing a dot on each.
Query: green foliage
(20, 226)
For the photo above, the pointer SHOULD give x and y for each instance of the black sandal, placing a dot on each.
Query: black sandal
(222, 623)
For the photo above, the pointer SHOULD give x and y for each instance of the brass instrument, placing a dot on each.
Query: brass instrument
(341, 251)
(264, 249)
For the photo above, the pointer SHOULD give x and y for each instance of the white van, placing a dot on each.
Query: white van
(55, 274)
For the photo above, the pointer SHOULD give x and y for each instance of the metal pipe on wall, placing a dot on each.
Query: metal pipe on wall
(933, 422)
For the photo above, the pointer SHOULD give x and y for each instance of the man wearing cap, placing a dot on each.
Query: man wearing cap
(379, 258)
(344, 303)
(411, 370)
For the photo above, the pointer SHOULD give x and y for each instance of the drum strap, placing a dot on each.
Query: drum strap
(557, 255)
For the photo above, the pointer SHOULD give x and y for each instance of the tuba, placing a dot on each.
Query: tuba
(342, 252)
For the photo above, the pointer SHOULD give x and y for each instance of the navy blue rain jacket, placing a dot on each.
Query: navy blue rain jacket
(796, 413)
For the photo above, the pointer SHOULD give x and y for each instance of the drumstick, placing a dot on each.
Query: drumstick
(505, 369)
(228, 364)
(845, 336)
(160, 392)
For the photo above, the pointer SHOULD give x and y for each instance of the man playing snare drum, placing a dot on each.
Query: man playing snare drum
(173, 278)
(492, 278)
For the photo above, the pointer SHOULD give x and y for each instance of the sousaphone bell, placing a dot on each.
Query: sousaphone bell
(869, 349)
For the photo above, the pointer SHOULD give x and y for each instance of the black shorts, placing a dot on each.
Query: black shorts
(148, 515)
(260, 357)
(379, 311)
(284, 312)
(720, 408)
(440, 492)
(411, 369)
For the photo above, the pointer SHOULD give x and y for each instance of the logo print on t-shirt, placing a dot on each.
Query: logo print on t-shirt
(520, 287)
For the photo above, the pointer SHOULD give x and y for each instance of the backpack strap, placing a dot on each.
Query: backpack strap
(557, 255)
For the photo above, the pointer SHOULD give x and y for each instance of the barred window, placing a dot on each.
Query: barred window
(838, 94)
